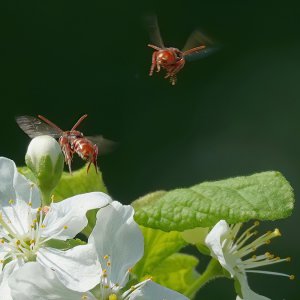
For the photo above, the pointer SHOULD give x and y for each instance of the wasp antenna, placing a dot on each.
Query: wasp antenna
(193, 50)
(49, 122)
(79, 121)
(154, 47)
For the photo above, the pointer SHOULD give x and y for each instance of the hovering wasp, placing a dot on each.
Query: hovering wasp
(172, 59)
(71, 141)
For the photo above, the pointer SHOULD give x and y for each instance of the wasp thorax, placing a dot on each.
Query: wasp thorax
(165, 57)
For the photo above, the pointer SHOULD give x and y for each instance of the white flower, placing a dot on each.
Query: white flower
(118, 244)
(25, 229)
(230, 249)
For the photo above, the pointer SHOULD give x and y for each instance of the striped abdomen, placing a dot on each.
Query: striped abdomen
(85, 149)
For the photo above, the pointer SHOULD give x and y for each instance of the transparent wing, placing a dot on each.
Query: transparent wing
(196, 39)
(154, 32)
(33, 127)
(104, 145)
(202, 53)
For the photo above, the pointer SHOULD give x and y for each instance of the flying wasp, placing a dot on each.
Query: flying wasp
(171, 59)
(71, 141)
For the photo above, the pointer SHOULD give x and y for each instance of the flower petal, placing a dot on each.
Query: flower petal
(18, 216)
(4, 250)
(77, 268)
(151, 290)
(15, 186)
(118, 236)
(9, 269)
(34, 282)
(214, 242)
(71, 214)
(247, 293)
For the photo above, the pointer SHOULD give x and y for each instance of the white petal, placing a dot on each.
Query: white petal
(151, 290)
(117, 235)
(247, 293)
(15, 186)
(34, 282)
(9, 269)
(18, 217)
(77, 268)
(4, 250)
(72, 213)
(214, 243)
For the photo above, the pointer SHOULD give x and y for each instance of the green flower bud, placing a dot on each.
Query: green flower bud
(45, 159)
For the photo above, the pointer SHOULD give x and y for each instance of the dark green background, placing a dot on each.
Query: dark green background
(233, 113)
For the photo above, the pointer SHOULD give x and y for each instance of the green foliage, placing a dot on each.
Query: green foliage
(262, 196)
(79, 182)
(64, 245)
(162, 262)
(27, 173)
(177, 272)
(148, 199)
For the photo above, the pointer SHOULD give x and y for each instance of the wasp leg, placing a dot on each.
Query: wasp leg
(96, 150)
(93, 159)
(173, 79)
(153, 64)
(67, 151)
(173, 70)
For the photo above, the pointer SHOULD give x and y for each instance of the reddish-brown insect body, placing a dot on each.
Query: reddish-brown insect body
(171, 59)
(72, 141)
(86, 150)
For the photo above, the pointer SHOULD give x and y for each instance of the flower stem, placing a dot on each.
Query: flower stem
(46, 197)
(212, 271)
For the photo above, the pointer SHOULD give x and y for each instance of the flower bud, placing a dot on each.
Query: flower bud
(45, 159)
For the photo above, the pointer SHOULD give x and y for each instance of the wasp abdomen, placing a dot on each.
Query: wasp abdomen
(84, 148)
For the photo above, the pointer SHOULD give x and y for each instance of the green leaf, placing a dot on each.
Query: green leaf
(64, 245)
(78, 183)
(27, 173)
(158, 246)
(162, 262)
(262, 196)
(177, 272)
(148, 199)
(70, 185)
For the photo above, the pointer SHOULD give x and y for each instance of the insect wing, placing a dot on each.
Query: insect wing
(104, 145)
(34, 127)
(154, 32)
(196, 39)
(200, 54)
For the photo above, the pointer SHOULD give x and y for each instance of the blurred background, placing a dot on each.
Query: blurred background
(233, 113)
